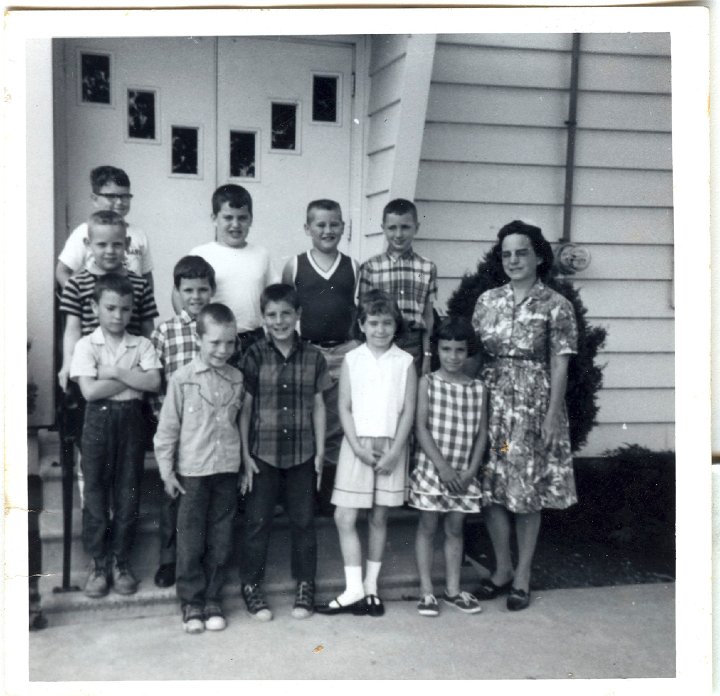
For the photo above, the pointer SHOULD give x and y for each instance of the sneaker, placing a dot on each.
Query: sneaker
(193, 619)
(256, 603)
(97, 582)
(428, 606)
(124, 582)
(214, 617)
(304, 600)
(463, 601)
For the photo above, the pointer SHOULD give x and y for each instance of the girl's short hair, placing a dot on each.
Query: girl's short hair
(540, 245)
(455, 329)
(191, 267)
(215, 312)
(376, 302)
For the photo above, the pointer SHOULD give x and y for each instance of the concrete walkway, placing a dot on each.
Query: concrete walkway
(609, 632)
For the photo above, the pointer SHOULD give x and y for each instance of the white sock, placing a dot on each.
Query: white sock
(372, 570)
(353, 586)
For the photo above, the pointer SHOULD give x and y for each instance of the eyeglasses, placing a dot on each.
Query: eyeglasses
(125, 197)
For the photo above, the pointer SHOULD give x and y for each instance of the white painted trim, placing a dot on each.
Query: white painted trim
(415, 90)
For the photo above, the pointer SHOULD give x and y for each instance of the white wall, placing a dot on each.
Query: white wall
(494, 150)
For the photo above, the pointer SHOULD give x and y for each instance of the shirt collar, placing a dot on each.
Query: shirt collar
(296, 346)
(538, 287)
(185, 318)
(409, 254)
(128, 340)
(200, 366)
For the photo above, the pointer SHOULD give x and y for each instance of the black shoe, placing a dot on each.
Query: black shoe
(487, 589)
(328, 609)
(165, 576)
(374, 605)
(256, 603)
(304, 605)
(518, 599)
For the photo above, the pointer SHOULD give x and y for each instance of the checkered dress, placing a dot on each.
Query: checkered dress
(453, 421)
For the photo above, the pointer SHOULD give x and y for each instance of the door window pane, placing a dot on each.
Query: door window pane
(325, 89)
(243, 154)
(284, 126)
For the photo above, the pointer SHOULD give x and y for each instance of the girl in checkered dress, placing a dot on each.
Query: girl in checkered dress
(451, 429)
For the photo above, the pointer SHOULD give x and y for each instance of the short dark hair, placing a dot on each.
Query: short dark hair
(190, 267)
(400, 206)
(279, 292)
(375, 302)
(455, 329)
(215, 312)
(232, 194)
(112, 282)
(323, 204)
(106, 217)
(105, 174)
(540, 245)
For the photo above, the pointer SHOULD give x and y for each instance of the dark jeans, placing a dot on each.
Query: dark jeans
(411, 343)
(168, 529)
(298, 484)
(204, 536)
(113, 457)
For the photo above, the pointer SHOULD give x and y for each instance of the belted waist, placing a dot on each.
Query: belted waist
(113, 404)
(519, 357)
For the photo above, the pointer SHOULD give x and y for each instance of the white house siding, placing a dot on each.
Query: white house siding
(494, 150)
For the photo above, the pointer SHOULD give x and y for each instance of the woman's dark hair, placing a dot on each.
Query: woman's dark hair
(540, 245)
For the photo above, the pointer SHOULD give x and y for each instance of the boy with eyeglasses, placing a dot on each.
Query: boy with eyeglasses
(110, 191)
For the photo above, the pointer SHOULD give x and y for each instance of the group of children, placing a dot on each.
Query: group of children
(257, 385)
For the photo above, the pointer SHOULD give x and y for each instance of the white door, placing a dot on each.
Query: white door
(211, 87)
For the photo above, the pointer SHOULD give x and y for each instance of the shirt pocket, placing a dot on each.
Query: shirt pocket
(193, 406)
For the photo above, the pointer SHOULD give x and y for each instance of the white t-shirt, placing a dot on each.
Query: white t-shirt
(76, 256)
(240, 275)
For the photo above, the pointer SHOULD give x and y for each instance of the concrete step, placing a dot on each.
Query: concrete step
(398, 578)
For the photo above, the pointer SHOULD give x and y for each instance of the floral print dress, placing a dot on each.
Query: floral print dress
(521, 473)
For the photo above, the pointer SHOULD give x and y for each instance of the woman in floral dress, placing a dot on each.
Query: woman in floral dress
(528, 333)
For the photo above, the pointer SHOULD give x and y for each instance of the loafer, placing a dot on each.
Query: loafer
(165, 576)
(374, 605)
(489, 590)
(518, 599)
(328, 609)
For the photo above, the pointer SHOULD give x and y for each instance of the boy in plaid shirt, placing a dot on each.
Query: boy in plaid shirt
(175, 342)
(282, 427)
(409, 279)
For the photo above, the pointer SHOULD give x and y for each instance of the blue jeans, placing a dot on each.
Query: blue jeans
(204, 536)
(298, 486)
(113, 450)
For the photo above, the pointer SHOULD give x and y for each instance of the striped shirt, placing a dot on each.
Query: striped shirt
(283, 391)
(410, 279)
(77, 296)
(176, 345)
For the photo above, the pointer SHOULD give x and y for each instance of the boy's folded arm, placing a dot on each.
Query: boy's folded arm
(94, 389)
(140, 379)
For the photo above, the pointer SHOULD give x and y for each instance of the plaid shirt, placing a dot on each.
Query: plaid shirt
(283, 391)
(176, 345)
(410, 280)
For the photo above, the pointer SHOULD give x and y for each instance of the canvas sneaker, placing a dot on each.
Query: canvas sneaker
(256, 603)
(428, 606)
(214, 617)
(463, 601)
(304, 605)
(193, 619)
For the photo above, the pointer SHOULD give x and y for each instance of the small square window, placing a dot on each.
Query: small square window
(325, 99)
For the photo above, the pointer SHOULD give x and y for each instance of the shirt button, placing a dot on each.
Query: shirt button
(284, 408)
(284, 386)
(285, 431)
